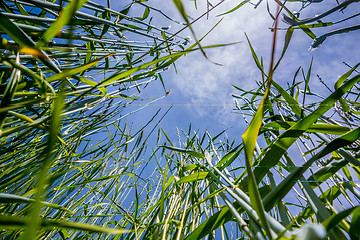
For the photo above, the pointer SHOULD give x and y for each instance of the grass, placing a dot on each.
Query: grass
(68, 76)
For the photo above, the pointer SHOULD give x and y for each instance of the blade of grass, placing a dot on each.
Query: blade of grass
(249, 141)
(319, 128)
(190, 152)
(13, 221)
(24, 40)
(34, 221)
(10, 90)
(64, 18)
(235, 8)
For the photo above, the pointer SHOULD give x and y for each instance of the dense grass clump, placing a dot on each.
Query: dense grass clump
(73, 167)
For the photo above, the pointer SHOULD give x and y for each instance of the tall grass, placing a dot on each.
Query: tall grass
(72, 167)
(69, 159)
(295, 175)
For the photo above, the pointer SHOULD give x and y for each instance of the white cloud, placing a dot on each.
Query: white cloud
(203, 82)
(239, 68)
(200, 82)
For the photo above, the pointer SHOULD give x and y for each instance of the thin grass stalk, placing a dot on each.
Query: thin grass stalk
(241, 223)
(244, 200)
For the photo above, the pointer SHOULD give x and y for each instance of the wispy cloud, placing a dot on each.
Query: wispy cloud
(208, 87)
(202, 82)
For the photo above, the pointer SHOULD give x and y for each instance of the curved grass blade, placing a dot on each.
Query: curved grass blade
(179, 5)
(190, 152)
(64, 18)
(17, 222)
(215, 221)
(193, 177)
(70, 72)
(229, 158)
(21, 38)
(26, 71)
(320, 16)
(319, 40)
(11, 198)
(335, 219)
(326, 172)
(340, 81)
(235, 8)
(319, 128)
(288, 37)
(355, 224)
(34, 222)
(10, 90)
(249, 141)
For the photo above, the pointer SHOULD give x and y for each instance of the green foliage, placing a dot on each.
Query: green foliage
(73, 75)
(72, 167)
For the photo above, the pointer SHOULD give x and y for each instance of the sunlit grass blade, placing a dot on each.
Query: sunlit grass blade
(318, 128)
(193, 177)
(34, 222)
(354, 225)
(11, 198)
(70, 72)
(12, 221)
(229, 158)
(235, 8)
(340, 81)
(250, 139)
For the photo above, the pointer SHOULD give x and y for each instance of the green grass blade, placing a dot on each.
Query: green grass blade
(64, 18)
(355, 224)
(193, 177)
(10, 90)
(11, 198)
(34, 222)
(337, 218)
(179, 5)
(319, 128)
(320, 16)
(235, 8)
(229, 158)
(25, 41)
(17, 222)
(340, 81)
(250, 139)
(288, 37)
(190, 152)
(70, 72)
(255, 57)
(213, 222)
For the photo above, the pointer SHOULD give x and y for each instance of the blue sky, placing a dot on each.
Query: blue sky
(201, 92)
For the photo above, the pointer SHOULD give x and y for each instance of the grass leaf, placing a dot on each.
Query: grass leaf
(190, 152)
